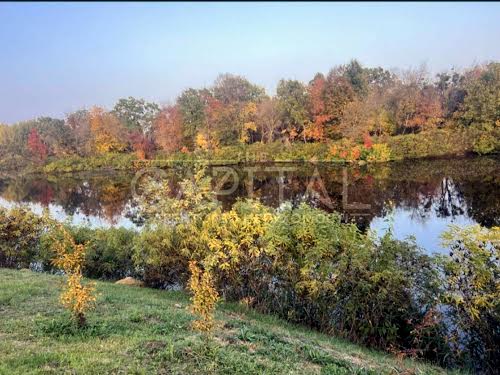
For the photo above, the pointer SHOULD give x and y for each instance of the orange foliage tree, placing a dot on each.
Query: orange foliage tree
(208, 137)
(167, 129)
(316, 89)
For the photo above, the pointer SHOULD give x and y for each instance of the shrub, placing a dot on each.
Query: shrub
(159, 258)
(234, 244)
(70, 258)
(20, 232)
(109, 252)
(204, 298)
(347, 150)
(328, 275)
(472, 293)
(379, 152)
(115, 161)
(443, 142)
(485, 144)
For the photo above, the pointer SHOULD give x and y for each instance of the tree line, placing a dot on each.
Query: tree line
(350, 102)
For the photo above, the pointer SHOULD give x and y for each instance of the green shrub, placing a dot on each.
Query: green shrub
(105, 161)
(109, 252)
(472, 293)
(443, 142)
(486, 144)
(20, 232)
(331, 276)
(158, 257)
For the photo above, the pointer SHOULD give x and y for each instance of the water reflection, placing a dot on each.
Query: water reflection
(419, 197)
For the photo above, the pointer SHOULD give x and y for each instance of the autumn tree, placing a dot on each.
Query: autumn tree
(379, 80)
(367, 115)
(229, 88)
(317, 108)
(108, 133)
(268, 119)
(143, 145)
(451, 90)
(208, 137)
(338, 93)
(414, 102)
(56, 135)
(36, 146)
(355, 121)
(79, 123)
(247, 121)
(167, 129)
(357, 77)
(6, 135)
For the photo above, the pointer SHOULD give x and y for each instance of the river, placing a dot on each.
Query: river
(415, 197)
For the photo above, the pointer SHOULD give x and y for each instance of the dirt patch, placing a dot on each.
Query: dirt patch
(130, 281)
(154, 346)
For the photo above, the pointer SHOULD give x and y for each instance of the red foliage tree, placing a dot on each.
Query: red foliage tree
(35, 145)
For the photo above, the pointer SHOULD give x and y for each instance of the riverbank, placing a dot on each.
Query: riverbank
(430, 144)
(141, 330)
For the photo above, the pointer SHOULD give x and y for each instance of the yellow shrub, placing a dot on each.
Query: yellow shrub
(226, 241)
(70, 257)
(379, 152)
(204, 297)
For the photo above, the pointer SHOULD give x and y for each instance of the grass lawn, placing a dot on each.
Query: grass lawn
(145, 331)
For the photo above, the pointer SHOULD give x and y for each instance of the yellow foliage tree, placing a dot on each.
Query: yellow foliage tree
(247, 120)
(108, 132)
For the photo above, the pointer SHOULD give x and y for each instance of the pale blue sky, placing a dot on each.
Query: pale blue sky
(58, 57)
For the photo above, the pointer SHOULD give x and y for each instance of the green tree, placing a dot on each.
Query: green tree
(229, 89)
(293, 102)
(136, 114)
(357, 77)
(237, 99)
(192, 104)
(481, 105)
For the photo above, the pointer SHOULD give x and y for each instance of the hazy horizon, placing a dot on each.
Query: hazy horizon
(60, 57)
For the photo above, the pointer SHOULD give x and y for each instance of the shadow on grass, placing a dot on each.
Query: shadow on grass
(65, 327)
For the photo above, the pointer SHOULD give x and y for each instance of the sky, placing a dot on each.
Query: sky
(59, 57)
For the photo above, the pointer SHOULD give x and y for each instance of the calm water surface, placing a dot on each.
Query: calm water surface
(419, 198)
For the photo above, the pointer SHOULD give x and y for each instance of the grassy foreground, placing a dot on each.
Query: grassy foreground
(143, 331)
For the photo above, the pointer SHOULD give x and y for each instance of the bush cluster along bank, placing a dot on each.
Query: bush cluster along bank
(300, 263)
(437, 143)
